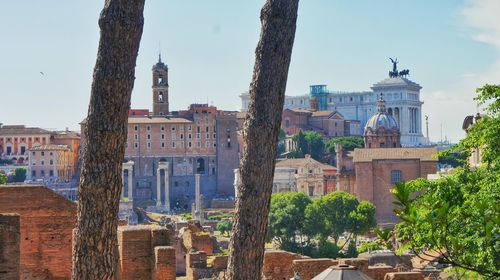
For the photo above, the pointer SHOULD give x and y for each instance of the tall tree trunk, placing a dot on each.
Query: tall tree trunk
(95, 241)
(267, 94)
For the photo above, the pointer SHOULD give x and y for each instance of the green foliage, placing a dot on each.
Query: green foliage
(6, 162)
(370, 246)
(349, 143)
(286, 218)
(186, 216)
(220, 216)
(352, 251)
(225, 227)
(453, 157)
(3, 179)
(326, 249)
(281, 142)
(19, 174)
(308, 142)
(338, 212)
(459, 215)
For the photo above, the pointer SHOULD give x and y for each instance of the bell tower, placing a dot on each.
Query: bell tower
(160, 88)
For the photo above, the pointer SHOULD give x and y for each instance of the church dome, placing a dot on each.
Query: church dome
(381, 118)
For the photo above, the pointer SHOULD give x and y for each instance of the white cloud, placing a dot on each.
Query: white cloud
(450, 105)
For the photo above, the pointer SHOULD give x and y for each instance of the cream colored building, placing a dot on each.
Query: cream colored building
(303, 175)
(50, 162)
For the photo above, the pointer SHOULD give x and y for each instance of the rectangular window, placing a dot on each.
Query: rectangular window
(198, 136)
(173, 136)
(215, 136)
(162, 136)
(199, 144)
(189, 144)
(162, 128)
(136, 145)
(43, 154)
(173, 127)
(33, 173)
(396, 176)
(136, 136)
(182, 136)
(148, 128)
(51, 162)
(173, 145)
(206, 129)
(149, 136)
(190, 127)
(43, 162)
(163, 144)
(136, 128)
(33, 153)
(207, 144)
(207, 136)
(51, 173)
(189, 136)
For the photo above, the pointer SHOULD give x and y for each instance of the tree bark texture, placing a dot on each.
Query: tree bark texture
(261, 129)
(95, 237)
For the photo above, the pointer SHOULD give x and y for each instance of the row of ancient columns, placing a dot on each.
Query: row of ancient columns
(163, 166)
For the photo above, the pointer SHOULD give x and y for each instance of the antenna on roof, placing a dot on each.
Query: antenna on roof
(159, 51)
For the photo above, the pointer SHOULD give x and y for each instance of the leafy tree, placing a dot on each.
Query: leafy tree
(225, 227)
(352, 251)
(3, 179)
(452, 157)
(326, 249)
(19, 174)
(308, 142)
(370, 246)
(349, 143)
(287, 219)
(281, 142)
(339, 212)
(459, 215)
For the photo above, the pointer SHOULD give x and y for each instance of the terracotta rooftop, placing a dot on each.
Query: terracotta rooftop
(21, 130)
(367, 155)
(298, 162)
(326, 113)
(50, 148)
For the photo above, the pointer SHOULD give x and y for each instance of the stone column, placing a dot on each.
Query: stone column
(158, 185)
(123, 180)
(167, 187)
(197, 197)
(130, 167)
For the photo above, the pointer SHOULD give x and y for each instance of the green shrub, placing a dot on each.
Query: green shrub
(370, 246)
(326, 249)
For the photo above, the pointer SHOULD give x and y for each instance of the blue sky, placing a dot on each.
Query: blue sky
(451, 47)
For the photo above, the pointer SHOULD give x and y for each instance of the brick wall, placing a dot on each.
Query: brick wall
(309, 268)
(404, 276)
(279, 264)
(145, 254)
(164, 263)
(9, 246)
(46, 225)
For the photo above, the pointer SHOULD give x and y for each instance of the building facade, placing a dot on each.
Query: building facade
(304, 175)
(165, 150)
(370, 173)
(51, 163)
(402, 100)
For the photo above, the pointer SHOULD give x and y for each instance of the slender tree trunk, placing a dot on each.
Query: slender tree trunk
(95, 242)
(267, 94)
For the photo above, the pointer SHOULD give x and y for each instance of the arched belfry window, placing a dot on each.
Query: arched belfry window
(160, 97)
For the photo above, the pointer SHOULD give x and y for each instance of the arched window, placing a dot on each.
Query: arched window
(160, 97)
